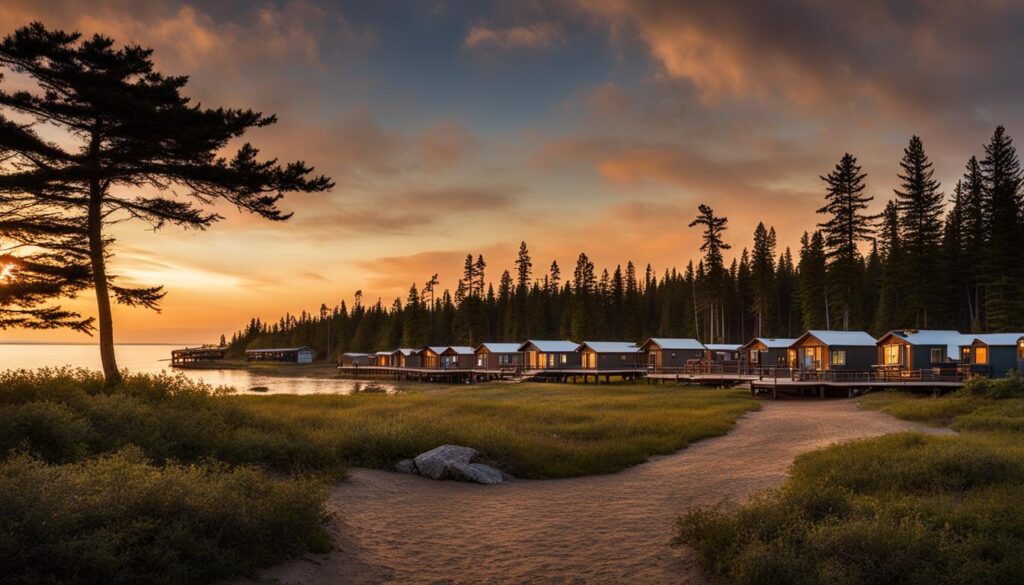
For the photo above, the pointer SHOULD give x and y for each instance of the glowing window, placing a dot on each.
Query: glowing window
(891, 354)
(838, 358)
(937, 355)
(981, 355)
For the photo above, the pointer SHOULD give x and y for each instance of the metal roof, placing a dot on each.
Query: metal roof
(611, 346)
(461, 349)
(355, 354)
(499, 347)
(667, 343)
(434, 348)
(406, 351)
(772, 342)
(722, 346)
(279, 349)
(953, 340)
(855, 338)
(998, 338)
(548, 346)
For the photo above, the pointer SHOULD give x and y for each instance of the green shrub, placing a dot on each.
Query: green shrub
(48, 430)
(901, 508)
(119, 519)
(1012, 386)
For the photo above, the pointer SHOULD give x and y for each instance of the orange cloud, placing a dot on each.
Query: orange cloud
(539, 35)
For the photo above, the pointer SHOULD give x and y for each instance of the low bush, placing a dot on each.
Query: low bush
(1012, 386)
(118, 519)
(897, 509)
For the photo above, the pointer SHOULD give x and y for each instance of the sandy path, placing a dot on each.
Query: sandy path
(607, 529)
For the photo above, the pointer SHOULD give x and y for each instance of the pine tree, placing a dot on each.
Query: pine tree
(974, 237)
(140, 150)
(762, 269)
(919, 201)
(890, 308)
(812, 290)
(847, 226)
(712, 245)
(1001, 273)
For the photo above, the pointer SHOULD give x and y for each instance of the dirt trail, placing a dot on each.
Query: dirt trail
(607, 529)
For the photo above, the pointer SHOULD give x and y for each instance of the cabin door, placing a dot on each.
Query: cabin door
(652, 360)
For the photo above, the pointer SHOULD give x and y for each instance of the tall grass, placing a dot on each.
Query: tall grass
(118, 519)
(165, 480)
(905, 508)
(529, 430)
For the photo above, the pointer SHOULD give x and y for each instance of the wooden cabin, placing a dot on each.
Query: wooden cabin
(904, 350)
(835, 350)
(996, 353)
(298, 355)
(498, 356)
(430, 356)
(664, 353)
(550, 355)
(721, 352)
(404, 357)
(769, 352)
(197, 355)
(457, 357)
(609, 355)
(354, 359)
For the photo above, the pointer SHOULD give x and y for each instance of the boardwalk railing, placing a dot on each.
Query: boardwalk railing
(882, 375)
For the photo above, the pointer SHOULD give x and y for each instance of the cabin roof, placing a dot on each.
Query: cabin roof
(997, 338)
(830, 338)
(278, 349)
(722, 346)
(611, 346)
(499, 347)
(550, 346)
(406, 351)
(670, 343)
(771, 342)
(438, 349)
(952, 340)
(355, 354)
(460, 349)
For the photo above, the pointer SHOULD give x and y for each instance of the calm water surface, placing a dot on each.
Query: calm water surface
(154, 359)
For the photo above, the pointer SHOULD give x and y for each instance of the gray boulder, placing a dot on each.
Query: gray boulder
(406, 466)
(436, 462)
(476, 473)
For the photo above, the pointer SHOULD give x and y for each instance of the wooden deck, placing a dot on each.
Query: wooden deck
(764, 380)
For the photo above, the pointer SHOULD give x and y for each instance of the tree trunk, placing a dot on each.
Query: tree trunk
(99, 278)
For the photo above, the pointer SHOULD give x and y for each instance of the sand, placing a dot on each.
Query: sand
(393, 528)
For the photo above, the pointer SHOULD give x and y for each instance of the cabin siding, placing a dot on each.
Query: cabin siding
(858, 357)
(534, 359)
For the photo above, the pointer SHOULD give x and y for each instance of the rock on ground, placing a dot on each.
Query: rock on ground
(406, 466)
(476, 472)
(436, 462)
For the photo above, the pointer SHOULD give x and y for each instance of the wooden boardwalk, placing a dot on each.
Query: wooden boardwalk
(769, 381)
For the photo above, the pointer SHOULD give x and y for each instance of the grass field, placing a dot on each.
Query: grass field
(904, 508)
(529, 430)
(161, 480)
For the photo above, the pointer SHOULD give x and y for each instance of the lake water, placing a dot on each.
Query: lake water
(153, 359)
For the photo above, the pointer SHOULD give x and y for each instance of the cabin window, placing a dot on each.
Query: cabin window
(937, 355)
(1020, 350)
(891, 354)
(623, 357)
(564, 359)
(981, 356)
(480, 361)
(755, 356)
(838, 358)
(673, 354)
(551, 360)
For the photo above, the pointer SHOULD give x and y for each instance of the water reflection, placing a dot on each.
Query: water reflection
(154, 359)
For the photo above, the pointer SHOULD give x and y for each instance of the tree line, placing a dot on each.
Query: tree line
(927, 261)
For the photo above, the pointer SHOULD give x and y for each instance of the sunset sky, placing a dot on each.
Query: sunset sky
(595, 126)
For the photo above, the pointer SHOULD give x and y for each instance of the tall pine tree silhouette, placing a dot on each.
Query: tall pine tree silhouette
(847, 226)
(143, 151)
(919, 201)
